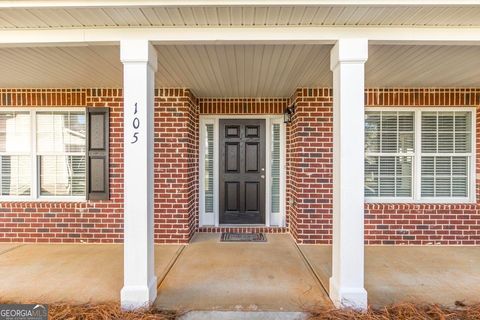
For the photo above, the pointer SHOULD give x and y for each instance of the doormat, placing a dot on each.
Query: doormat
(242, 237)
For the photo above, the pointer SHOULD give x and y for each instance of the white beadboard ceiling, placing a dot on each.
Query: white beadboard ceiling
(240, 70)
(299, 15)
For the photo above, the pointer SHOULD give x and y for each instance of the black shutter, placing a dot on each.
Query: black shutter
(97, 154)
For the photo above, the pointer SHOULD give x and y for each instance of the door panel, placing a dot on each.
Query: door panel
(252, 196)
(251, 156)
(232, 196)
(242, 171)
(232, 158)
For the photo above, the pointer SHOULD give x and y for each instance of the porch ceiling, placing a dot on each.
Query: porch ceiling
(238, 15)
(240, 70)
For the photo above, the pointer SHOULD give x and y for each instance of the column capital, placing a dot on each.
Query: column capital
(349, 51)
(138, 51)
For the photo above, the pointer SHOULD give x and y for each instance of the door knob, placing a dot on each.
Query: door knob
(263, 169)
(262, 176)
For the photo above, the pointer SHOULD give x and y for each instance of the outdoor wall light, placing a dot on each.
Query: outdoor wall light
(288, 113)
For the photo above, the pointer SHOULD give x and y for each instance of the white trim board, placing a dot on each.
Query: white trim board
(240, 35)
(212, 218)
(230, 3)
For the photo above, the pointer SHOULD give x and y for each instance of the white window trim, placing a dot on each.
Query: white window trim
(35, 184)
(212, 218)
(416, 198)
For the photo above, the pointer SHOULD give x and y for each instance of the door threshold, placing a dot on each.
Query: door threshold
(242, 226)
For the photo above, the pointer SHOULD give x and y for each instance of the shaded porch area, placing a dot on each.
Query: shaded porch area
(70, 273)
(210, 275)
(313, 216)
(257, 276)
(419, 274)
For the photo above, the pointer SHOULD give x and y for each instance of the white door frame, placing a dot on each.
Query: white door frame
(212, 218)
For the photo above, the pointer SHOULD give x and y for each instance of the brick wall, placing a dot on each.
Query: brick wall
(175, 183)
(176, 165)
(242, 105)
(309, 176)
(454, 224)
(309, 172)
(88, 221)
(309, 166)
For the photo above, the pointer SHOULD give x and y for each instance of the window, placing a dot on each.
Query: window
(275, 168)
(53, 164)
(208, 174)
(422, 155)
(15, 157)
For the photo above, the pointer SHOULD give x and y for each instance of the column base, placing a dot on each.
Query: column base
(355, 298)
(135, 297)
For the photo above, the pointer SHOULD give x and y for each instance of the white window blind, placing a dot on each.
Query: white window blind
(61, 153)
(437, 165)
(53, 164)
(390, 147)
(446, 154)
(15, 157)
(208, 174)
(275, 168)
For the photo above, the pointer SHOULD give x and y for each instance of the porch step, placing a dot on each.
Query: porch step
(244, 315)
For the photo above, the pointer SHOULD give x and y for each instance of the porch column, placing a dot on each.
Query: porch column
(347, 61)
(139, 65)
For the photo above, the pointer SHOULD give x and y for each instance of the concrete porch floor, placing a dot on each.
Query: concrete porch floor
(209, 275)
(72, 273)
(266, 276)
(429, 274)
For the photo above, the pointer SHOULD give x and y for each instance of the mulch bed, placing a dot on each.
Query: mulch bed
(404, 311)
(104, 312)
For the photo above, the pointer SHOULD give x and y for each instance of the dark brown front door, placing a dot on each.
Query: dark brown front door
(242, 171)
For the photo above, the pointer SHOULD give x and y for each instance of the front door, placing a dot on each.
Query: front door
(242, 171)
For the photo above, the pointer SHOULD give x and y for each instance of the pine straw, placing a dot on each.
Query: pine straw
(403, 311)
(106, 311)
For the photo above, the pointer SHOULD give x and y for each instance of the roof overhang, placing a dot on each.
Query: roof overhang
(240, 70)
(413, 43)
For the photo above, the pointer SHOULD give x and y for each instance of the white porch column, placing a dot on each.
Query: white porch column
(139, 65)
(347, 61)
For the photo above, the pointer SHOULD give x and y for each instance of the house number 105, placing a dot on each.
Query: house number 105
(135, 124)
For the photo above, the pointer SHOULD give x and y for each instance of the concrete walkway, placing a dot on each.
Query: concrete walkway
(74, 273)
(434, 274)
(213, 275)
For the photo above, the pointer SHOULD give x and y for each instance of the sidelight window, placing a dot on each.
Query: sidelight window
(208, 173)
(275, 168)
